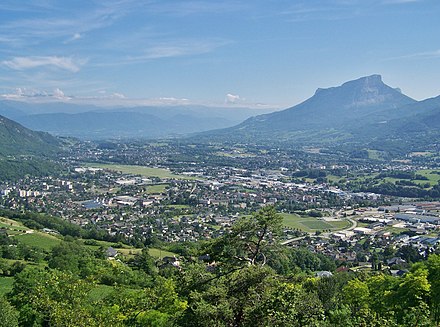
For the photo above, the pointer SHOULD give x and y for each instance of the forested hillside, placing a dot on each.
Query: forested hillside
(25, 152)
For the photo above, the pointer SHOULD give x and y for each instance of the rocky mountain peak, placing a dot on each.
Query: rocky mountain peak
(363, 91)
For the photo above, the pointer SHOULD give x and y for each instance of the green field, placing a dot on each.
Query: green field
(179, 206)
(40, 240)
(6, 285)
(155, 253)
(158, 254)
(37, 239)
(12, 230)
(156, 189)
(316, 224)
(129, 251)
(374, 154)
(12, 225)
(432, 176)
(311, 224)
(140, 170)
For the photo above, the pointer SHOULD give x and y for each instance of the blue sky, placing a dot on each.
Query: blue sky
(237, 52)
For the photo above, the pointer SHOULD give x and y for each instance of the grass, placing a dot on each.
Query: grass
(141, 170)
(421, 154)
(107, 244)
(431, 174)
(12, 229)
(126, 250)
(339, 224)
(129, 251)
(12, 225)
(374, 154)
(155, 253)
(334, 178)
(6, 285)
(156, 189)
(247, 190)
(39, 240)
(389, 180)
(178, 206)
(433, 177)
(311, 224)
(317, 224)
(158, 253)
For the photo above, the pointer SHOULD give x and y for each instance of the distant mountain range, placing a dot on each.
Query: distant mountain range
(360, 114)
(91, 122)
(365, 112)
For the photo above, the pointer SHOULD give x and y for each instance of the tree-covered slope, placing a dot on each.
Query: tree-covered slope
(25, 152)
(18, 140)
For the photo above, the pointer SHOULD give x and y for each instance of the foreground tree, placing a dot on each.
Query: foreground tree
(251, 240)
(8, 314)
(52, 298)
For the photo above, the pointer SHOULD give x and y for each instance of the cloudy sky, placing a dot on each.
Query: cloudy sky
(230, 52)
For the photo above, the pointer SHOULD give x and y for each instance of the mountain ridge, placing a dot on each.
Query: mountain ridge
(349, 99)
(123, 122)
(361, 111)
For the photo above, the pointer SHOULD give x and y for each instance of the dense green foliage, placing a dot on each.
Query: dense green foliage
(23, 151)
(16, 140)
(15, 168)
(244, 278)
(403, 190)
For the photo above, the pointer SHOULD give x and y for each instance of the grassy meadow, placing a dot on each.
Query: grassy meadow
(141, 170)
(312, 224)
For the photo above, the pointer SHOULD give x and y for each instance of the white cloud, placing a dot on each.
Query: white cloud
(19, 91)
(73, 38)
(418, 55)
(64, 22)
(118, 95)
(110, 100)
(179, 48)
(22, 63)
(57, 93)
(34, 95)
(232, 98)
(184, 8)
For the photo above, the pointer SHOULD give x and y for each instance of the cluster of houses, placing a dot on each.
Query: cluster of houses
(203, 206)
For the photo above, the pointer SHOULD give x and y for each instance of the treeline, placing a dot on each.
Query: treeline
(401, 175)
(389, 188)
(13, 169)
